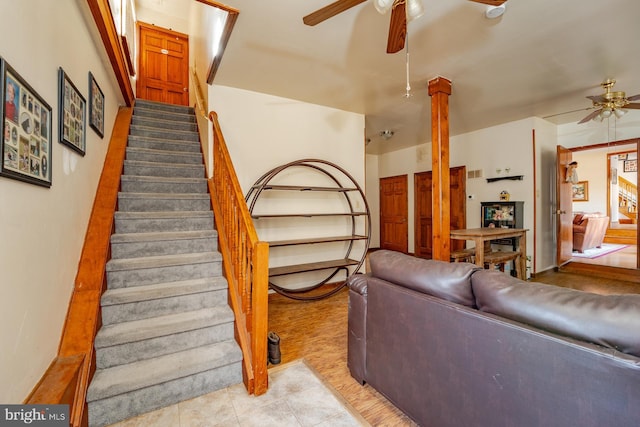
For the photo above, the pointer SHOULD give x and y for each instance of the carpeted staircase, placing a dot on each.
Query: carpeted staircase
(167, 331)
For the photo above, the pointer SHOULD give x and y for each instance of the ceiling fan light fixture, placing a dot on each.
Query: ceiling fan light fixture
(383, 6)
(415, 9)
(494, 12)
(606, 113)
(619, 112)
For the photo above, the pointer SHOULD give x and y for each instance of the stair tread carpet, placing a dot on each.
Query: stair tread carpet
(162, 236)
(134, 376)
(163, 165)
(162, 290)
(160, 196)
(165, 115)
(138, 330)
(182, 155)
(162, 261)
(138, 141)
(164, 214)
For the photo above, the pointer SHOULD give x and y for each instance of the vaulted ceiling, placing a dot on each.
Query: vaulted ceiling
(540, 58)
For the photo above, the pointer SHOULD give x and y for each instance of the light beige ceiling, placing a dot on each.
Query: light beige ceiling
(541, 58)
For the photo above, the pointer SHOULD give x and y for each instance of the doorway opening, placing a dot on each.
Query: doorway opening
(607, 187)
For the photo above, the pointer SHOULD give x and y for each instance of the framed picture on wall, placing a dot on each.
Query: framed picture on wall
(630, 165)
(96, 106)
(72, 111)
(580, 191)
(26, 129)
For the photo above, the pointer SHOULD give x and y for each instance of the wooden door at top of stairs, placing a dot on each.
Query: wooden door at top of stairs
(394, 233)
(164, 65)
(423, 209)
(564, 207)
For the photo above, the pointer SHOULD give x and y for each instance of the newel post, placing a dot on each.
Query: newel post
(439, 91)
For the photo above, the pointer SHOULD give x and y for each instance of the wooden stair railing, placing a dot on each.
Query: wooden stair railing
(67, 379)
(246, 264)
(627, 198)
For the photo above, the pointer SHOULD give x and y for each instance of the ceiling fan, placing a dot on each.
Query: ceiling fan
(402, 11)
(610, 102)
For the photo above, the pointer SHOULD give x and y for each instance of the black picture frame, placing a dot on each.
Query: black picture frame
(631, 165)
(72, 114)
(26, 148)
(96, 106)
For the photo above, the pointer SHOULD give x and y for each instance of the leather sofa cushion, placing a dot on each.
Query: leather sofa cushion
(608, 320)
(448, 281)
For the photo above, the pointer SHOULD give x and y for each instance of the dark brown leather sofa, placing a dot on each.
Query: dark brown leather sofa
(452, 345)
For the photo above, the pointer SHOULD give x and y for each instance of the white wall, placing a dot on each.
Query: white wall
(43, 229)
(205, 23)
(499, 147)
(263, 132)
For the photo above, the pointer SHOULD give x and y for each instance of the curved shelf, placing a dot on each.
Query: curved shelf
(350, 261)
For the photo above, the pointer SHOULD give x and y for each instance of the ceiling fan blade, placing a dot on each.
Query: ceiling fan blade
(634, 98)
(590, 116)
(490, 2)
(330, 11)
(397, 27)
(635, 106)
(597, 98)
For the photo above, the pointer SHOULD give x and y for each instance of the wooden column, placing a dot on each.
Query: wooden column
(439, 91)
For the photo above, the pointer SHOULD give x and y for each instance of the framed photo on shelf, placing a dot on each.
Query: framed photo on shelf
(26, 129)
(631, 165)
(72, 123)
(96, 106)
(580, 191)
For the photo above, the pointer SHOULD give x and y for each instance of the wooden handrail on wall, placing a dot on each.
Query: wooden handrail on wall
(67, 379)
(246, 264)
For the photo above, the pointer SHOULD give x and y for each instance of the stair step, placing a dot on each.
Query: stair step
(162, 299)
(131, 245)
(162, 106)
(160, 123)
(140, 168)
(161, 290)
(163, 202)
(142, 111)
(128, 342)
(131, 222)
(129, 272)
(124, 391)
(162, 156)
(160, 184)
(179, 135)
(163, 144)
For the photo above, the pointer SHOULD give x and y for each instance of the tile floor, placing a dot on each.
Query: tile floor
(297, 396)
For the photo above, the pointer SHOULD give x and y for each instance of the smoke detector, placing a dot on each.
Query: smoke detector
(494, 12)
(386, 134)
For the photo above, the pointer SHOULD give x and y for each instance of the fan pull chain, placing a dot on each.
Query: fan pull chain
(408, 94)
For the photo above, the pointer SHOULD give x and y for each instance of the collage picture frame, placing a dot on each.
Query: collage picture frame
(72, 114)
(96, 106)
(26, 128)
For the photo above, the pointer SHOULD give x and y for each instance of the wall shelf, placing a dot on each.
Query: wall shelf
(503, 178)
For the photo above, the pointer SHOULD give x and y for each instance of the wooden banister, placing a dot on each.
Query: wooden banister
(246, 264)
(67, 379)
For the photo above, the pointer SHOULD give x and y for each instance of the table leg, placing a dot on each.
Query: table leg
(522, 259)
(479, 251)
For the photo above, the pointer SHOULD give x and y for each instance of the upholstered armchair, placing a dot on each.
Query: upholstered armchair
(589, 231)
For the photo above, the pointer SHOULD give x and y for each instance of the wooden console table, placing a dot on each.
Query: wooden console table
(481, 235)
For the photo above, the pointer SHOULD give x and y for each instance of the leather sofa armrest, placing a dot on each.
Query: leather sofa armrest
(357, 329)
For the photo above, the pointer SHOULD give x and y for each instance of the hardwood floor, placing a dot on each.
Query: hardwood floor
(625, 258)
(317, 332)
